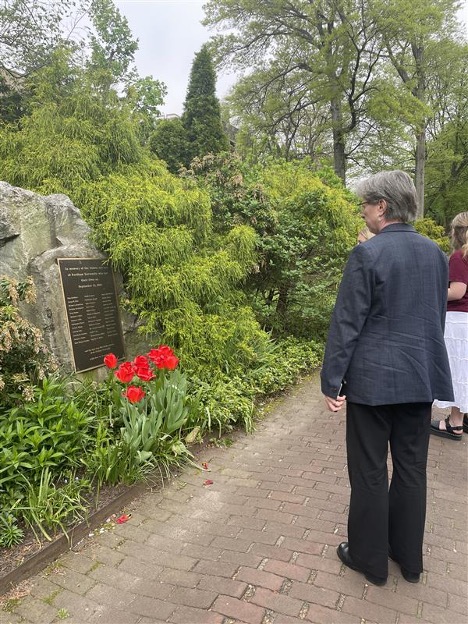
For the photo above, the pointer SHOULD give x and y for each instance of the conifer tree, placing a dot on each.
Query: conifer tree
(202, 112)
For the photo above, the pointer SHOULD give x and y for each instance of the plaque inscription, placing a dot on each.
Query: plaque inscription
(92, 311)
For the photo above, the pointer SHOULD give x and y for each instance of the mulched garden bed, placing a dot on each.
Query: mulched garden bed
(34, 554)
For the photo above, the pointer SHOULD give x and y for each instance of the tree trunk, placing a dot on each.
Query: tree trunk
(420, 92)
(419, 171)
(282, 303)
(339, 159)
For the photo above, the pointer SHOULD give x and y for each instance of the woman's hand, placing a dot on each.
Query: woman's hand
(334, 404)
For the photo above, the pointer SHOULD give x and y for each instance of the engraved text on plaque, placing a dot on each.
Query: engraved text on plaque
(92, 311)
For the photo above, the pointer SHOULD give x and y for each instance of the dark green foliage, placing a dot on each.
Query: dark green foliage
(202, 114)
(12, 100)
(169, 143)
(284, 363)
(45, 438)
(306, 223)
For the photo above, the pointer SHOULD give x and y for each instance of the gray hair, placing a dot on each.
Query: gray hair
(398, 190)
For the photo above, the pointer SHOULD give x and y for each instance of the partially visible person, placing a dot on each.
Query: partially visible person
(364, 235)
(386, 353)
(456, 334)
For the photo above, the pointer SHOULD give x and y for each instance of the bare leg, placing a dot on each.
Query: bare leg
(456, 419)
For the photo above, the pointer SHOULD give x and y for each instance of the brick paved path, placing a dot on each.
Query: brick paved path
(258, 545)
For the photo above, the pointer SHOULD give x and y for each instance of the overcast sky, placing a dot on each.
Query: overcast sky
(169, 33)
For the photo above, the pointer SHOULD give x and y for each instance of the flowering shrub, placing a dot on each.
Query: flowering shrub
(24, 357)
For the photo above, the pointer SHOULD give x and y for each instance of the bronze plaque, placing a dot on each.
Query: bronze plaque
(92, 311)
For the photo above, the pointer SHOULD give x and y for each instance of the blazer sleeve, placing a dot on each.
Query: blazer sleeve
(349, 315)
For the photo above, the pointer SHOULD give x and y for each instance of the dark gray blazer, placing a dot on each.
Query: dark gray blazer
(386, 337)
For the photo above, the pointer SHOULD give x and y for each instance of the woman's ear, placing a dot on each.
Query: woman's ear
(382, 207)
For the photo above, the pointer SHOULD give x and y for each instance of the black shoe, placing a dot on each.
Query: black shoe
(410, 577)
(343, 554)
(465, 423)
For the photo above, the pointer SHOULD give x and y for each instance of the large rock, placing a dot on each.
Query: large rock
(34, 232)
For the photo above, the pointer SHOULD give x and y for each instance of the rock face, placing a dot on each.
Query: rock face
(34, 232)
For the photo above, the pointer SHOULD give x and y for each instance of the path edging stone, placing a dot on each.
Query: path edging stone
(52, 550)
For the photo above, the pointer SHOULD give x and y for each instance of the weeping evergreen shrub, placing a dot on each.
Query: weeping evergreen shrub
(182, 279)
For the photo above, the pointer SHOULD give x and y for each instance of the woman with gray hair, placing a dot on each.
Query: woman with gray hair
(386, 356)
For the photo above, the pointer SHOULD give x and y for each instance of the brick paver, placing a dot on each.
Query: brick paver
(257, 546)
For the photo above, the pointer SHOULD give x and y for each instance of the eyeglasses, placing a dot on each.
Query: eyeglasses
(369, 203)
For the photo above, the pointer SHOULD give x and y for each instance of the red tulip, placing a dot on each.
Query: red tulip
(145, 373)
(110, 360)
(141, 361)
(163, 357)
(125, 372)
(134, 394)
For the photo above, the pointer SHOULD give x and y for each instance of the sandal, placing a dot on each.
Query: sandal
(448, 432)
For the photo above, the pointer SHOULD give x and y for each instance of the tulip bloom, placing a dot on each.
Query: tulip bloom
(134, 394)
(110, 360)
(145, 373)
(125, 372)
(164, 357)
(141, 361)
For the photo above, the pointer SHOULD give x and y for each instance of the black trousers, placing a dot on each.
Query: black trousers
(380, 516)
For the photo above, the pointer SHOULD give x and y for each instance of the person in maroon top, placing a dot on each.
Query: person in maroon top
(456, 334)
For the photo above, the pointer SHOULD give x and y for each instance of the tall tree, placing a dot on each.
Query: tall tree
(144, 96)
(29, 31)
(447, 136)
(411, 32)
(29, 34)
(112, 45)
(330, 46)
(277, 116)
(202, 114)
